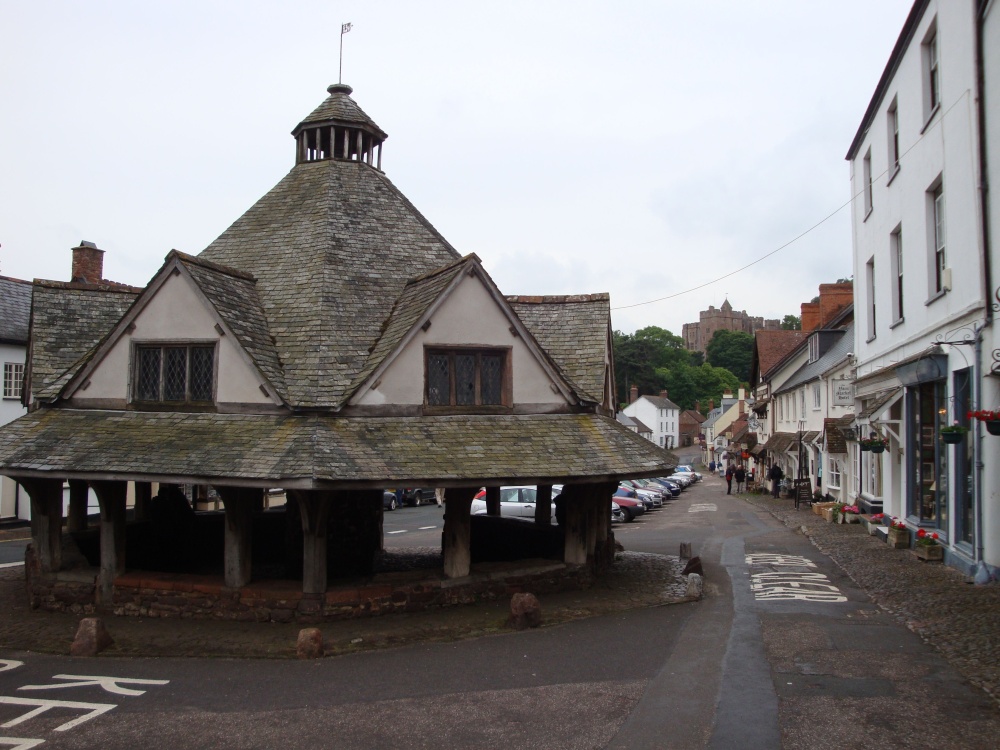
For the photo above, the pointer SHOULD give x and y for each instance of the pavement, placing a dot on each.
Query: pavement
(932, 600)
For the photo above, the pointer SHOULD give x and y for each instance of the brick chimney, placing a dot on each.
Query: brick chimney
(711, 404)
(88, 263)
(697, 406)
(832, 299)
(663, 394)
(633, 394)
(810, 316)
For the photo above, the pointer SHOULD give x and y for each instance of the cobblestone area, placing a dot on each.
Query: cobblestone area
(935, 601)
(636, 580)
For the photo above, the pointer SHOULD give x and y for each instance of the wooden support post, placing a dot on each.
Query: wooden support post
(314, 508)
(79, 493)
(543, 505)
(493, 501)
(361, 154)
(347, 144)
(240, 504)
(380, 157)
(111, 498)
(593, 497)
(143, 500)
(46, 520)
(575, 545)
(457, 531)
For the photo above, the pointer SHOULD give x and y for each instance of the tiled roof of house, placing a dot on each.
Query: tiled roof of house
(68, 320)
(332, 247)
(833, 430)
(661, 403)
(573, 330)
(694, 416)
(234, 296)
(642, 427)
(314, 450)
(774, 345)
(15, 310)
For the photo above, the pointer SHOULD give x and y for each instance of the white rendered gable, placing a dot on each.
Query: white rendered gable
(176, 311)
(468, 316)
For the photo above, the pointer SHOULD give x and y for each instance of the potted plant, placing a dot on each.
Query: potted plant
(850, 514)
(899, 534)
(953, 434)
(990, 418)
(926, 547)
(832, 512)
(872, 522)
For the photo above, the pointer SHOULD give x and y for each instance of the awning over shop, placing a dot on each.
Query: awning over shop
(875, 406)
(779, 441)
(835, 433)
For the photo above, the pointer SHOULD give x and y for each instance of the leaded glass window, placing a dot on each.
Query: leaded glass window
(466, 377)
(174, 374)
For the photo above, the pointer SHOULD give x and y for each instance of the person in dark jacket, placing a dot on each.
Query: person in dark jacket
(729, 479)
(775, 475)
(741, 476)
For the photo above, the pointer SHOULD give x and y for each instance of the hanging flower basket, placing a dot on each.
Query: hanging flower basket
(952, 438)
(990, 418)
(873, 444)
(864, 445)
(880, 448)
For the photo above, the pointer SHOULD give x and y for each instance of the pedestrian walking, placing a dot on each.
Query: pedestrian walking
(711, 467)
(729, 479)
(741, 476)
(775, 475)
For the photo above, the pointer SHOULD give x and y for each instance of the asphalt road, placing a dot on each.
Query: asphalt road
(783, 651)
(12, 550)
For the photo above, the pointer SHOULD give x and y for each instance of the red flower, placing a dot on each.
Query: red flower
(934, 535)
(921, 533)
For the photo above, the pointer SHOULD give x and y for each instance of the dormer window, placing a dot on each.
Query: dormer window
(464, 377)
(174, 373)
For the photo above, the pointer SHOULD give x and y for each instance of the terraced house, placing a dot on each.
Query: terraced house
(330, 343)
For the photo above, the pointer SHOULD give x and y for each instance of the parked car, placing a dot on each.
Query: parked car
(672, 487)
(683, 480)
(688, 469)
(389, 500)
(515, 502)
(417, 496)
(630, 507)
(617, 514)
(646, 491)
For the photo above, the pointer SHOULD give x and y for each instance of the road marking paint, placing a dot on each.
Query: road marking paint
(401, 531)
(41, 706)
(8, 664)
(110, 684)
(703, 508)
(790, 585)
(20, 743)
(11, 565)
(424, 528)
(17, 539)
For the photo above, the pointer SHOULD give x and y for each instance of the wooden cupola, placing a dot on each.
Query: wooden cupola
(339, 129)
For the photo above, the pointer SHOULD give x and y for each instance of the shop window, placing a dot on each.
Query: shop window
(928, 462)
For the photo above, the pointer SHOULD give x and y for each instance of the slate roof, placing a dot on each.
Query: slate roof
(779, 441)
(234, 296)
(875, 405)
(340, 108)
(317, 450)
(15, 310)
(641, 427)
(332, 246)
(69, 320)
(661, 403)
(573, 330)
(812, 370)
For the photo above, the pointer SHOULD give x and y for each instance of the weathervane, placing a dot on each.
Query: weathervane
(344, 28)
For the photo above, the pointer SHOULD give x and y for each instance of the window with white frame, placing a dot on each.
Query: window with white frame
(817, 395)
(932, 75)
(870, 290)
(867, 177)
(13, 377)
(813, 348)
(936, 215)
(892, 125)
(896, 264)
(833, 474)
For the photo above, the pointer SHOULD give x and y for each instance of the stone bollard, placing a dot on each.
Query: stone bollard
(685, 551)
(309, 644)
(695, 585)
(693, 566)
(91, 638)
(525, 611)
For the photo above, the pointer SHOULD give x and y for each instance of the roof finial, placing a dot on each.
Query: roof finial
(344, 28)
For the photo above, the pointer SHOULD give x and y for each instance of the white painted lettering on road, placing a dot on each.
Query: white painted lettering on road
(788, 584)
(8, 664)
(41, 706)
(424, 528)
(109, 684)
(703, 508)
(773, 559)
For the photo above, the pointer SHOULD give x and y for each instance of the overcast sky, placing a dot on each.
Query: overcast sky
(639, 148)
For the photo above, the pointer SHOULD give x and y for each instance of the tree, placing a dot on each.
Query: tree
(791, 323)
(733, 351)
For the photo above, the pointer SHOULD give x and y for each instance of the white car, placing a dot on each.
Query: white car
(515, 502)
(688, 469)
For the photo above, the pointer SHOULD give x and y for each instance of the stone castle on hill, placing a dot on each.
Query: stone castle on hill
(697, 335)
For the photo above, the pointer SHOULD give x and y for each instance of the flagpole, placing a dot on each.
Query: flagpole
(344, 28)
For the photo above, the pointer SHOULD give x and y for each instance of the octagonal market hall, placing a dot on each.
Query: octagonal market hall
(328, 345)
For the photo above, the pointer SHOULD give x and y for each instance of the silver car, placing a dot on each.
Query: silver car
(515, 502)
